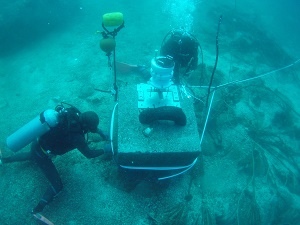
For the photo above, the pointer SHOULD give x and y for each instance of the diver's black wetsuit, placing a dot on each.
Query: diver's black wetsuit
(66, 136)
(183, 47)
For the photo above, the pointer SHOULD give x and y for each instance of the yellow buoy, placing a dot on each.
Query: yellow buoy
(107, 44)
(112, 19)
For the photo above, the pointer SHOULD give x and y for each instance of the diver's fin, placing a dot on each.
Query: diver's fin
(43, 219)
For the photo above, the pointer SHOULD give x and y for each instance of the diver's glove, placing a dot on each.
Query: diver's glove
(102, 134)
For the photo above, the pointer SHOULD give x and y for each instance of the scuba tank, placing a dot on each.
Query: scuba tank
(33, 129)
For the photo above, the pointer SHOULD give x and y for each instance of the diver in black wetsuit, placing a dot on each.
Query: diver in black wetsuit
(69, 134)
(183, 47)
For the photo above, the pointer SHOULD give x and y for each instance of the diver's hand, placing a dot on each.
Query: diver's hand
(107, 149)
(106, 137)
(103, 135)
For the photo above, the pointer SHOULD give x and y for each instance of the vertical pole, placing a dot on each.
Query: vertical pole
(216, 62)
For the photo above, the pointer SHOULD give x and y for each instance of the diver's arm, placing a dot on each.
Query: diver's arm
(102, 134)
(83, 147)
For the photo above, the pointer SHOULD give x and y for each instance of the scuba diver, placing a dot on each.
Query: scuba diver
(183, 47)
(68, 134)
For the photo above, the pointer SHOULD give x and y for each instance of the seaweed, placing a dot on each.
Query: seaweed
(176, 215)
(248, 212)
(207, 217)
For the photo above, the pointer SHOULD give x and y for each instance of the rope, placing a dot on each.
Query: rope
(163, 169)
(259, 76)
(251, 78)
(111, 132)
(205, 124)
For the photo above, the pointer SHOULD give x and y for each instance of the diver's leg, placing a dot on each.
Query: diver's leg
(51, 173)
(23, 156)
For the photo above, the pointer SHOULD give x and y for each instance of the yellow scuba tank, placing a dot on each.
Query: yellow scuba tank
(114, 19)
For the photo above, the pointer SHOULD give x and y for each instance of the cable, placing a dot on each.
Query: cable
(259, 76)
(208, 112)
(251, 78)
(216, 62)
(111, 134)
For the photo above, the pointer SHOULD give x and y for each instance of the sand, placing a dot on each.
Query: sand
(248, 171)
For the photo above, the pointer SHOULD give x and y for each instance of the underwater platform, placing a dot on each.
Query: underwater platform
(161, 145)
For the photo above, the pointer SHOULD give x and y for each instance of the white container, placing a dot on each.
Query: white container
(161, 72)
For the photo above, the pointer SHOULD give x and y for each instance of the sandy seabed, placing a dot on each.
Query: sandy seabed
(248, 171)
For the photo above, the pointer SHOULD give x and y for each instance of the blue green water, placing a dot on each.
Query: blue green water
(248, 171)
